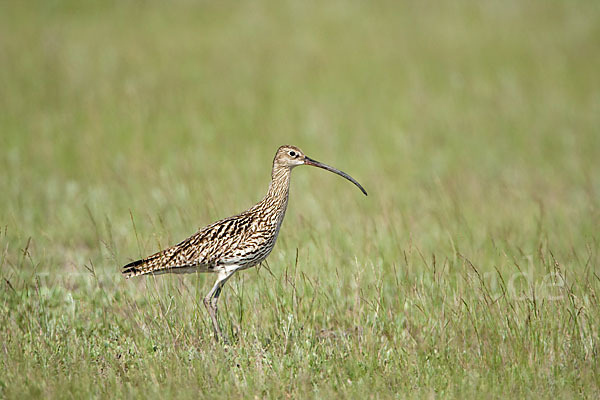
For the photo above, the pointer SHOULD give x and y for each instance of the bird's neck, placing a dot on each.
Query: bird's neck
(279, 189)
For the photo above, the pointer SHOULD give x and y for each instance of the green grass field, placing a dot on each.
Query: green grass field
(471, 269)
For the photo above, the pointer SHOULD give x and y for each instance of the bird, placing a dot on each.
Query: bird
(235, 243)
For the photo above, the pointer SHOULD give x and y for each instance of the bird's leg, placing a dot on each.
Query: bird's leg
(211, 299)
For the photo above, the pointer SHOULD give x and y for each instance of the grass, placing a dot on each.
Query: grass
(471, 268)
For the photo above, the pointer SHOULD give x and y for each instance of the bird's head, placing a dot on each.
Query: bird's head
(288, 156)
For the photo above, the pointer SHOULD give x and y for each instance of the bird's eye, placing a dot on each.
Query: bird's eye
(293, 153)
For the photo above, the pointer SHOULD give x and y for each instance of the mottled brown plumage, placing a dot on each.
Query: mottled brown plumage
(237, 242)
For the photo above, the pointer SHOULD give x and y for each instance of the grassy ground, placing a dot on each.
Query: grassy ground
(472, 267)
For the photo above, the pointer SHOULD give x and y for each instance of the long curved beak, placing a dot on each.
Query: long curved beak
(315, 163)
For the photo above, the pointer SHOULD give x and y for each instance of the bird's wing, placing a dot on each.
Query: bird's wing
(201, 251)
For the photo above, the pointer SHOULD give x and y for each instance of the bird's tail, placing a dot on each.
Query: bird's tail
(142, 267)
(133, 269)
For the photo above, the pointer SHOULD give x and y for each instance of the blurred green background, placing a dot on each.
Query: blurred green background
(474, 126)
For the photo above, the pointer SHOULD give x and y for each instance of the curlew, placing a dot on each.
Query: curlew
(237, 242)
